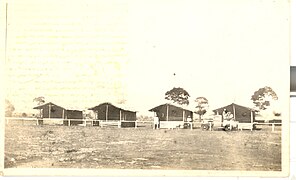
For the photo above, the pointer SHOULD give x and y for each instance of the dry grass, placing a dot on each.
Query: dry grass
(141, 148)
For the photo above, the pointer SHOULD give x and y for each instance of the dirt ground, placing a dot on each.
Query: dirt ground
(142, 148)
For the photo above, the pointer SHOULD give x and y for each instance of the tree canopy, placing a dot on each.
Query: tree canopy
(9, 108)
(178, 95)
(263, 96)
(202, 106)
(40, 100)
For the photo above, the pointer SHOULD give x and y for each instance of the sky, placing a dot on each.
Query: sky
(82, 53)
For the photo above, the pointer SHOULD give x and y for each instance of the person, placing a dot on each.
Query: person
(189, 122)
(156, 122)
(189, 119)
(229, 121)
(224, 114)
(229, 115)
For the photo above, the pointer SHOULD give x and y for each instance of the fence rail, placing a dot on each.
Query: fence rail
(272, 125)
(99, 122)
(61, 121)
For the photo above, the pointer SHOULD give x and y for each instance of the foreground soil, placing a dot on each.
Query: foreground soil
(142, 148)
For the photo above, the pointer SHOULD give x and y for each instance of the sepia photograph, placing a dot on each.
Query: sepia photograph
(145, 88)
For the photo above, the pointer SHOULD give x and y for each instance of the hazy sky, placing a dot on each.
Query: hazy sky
(82, 53)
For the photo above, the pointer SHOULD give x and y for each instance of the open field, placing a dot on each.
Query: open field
(141, 148)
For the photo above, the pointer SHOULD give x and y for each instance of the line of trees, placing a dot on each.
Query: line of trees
(9, 107)
(261, 98)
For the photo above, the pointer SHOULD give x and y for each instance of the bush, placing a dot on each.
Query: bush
(144, 118)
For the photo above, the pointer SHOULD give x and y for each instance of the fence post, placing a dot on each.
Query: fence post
(37, 123)
(210, 126)
(69, 122)
(119, 124)
(135, 124)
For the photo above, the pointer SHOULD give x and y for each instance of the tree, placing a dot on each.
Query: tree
(9, 108)
(202, 106)
(24, 115)
(178, 95)
(144, 118)
(263, 96)
(40, 100)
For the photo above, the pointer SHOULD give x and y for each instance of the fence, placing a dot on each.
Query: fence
(119, 124)
(69, 122)
(254, 126)
(273, 125)
(175, 124)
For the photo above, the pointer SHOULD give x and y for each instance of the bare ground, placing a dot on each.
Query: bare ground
(141, 148)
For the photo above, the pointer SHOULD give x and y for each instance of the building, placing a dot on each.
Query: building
(53, 111)
(240, 113)
(107, 112)
(171, 116)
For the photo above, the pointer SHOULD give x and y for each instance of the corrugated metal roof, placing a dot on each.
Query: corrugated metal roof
(233, 104)
(153, 109)
(63, 107)
(119, 106)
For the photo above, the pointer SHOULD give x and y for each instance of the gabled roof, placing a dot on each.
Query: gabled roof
(110, 104)
(235, 105)
(157, 107)
(53, 105)
(47, 104)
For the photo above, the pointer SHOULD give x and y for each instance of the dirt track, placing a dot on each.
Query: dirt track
(141, 148)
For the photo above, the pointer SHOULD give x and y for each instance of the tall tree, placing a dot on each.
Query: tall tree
(262, 97)
(178, 95)
(202, 106)
(39, 100)
(9, 108)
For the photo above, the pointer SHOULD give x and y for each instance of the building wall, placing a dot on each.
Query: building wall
(128, 124)
(55, 112)
(129, 116)
(114, 113)
(74, 114)
(242, 114)
(174, 113)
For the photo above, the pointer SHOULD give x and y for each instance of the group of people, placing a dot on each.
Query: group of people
(227, 115)
(228, 120)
